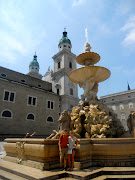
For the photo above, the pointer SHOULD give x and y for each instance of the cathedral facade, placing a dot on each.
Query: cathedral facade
(30, 104)
(64, 63)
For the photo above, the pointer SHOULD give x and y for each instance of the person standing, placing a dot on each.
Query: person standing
(63, 140)
(73, 142)
(29, 136)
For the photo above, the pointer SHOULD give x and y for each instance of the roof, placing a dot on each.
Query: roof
(64, 38)
(34, 61)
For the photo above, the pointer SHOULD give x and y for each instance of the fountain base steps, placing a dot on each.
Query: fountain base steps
(9, 170)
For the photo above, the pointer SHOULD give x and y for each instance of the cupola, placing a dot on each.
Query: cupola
(65, 43)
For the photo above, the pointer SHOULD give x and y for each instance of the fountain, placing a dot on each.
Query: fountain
(89, 76)
(93, 123)
(90, 118)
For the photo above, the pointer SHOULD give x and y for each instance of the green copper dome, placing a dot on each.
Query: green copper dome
(64, 38)
(34, 62)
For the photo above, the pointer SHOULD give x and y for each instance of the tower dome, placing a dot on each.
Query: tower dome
(34, 68)
(34, 61)
(65, 43)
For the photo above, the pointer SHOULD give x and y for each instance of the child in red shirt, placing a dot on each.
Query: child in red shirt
(63, 140)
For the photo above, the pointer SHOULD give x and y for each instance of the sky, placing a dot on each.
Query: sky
(27, 26)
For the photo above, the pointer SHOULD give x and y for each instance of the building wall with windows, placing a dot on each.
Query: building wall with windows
(29, 103)
(25, 107)
(122, 103)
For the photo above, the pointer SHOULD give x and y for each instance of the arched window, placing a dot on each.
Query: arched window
(130, 105)
(6, 114)
(70, 65)
(22, 80)
(114, 107)
(58, 65)
(50, 119)
(3, 75)
(121, 106)
(30, 117)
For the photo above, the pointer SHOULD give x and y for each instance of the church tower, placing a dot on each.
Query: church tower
(34, 68)
(64, 63)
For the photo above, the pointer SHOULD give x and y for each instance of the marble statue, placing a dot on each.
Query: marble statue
(65, 123)
(90, 88)
(131, 122)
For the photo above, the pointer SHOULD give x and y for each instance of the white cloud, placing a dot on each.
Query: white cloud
(77, 3)
(123, 69)
(129, 29)
(16, 35)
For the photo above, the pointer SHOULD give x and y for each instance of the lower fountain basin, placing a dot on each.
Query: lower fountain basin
(44, 154)
(81, 75)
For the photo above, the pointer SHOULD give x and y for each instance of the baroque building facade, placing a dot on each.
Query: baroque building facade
(122, 103)
(29, 103)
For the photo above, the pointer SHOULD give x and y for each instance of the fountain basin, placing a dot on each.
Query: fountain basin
(81, 75)
(44, 154)
(94, 57)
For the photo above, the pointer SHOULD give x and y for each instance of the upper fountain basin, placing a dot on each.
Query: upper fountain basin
(90, 57)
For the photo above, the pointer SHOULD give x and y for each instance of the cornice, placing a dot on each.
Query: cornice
(118, 94)
(62, 52)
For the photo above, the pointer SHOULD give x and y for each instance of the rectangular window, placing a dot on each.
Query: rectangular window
(71, 91)
(32, 101)
(9, 96)
(29, 100)
(6, 95)
(50, 104)
(123, 118)
(58, 65)
(12, 97)
(58, 91)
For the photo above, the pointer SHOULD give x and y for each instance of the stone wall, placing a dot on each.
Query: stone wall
(117, 99)
(18, 123)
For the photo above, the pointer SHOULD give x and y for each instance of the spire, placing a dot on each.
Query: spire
(35, 57)
(64, 33)
(128, 87)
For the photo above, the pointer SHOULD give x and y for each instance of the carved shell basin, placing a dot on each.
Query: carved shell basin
(94, 57)
(83, 74)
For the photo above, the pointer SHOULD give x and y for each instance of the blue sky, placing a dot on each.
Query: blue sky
(27, 26)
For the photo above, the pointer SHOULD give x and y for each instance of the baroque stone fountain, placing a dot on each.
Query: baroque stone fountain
(90, 118)
(93, 123)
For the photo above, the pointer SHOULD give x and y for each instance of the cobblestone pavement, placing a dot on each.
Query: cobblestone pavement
(2, 152)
